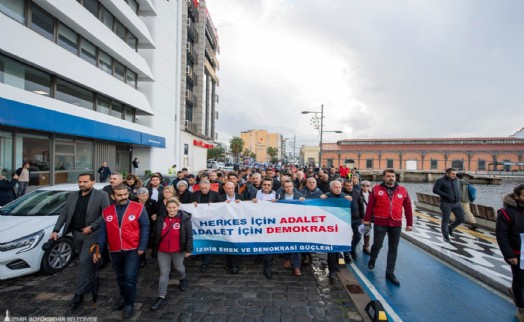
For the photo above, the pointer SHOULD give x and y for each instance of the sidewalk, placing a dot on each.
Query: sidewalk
(473, 251)
(212, 296)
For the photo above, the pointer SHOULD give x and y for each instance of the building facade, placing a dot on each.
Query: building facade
(199, 96)
(465, 154)
(309, 155)
(258, 141)
(93, 81)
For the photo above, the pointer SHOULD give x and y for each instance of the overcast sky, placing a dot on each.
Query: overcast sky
(382, 69)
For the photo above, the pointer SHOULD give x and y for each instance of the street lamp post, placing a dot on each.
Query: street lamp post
(321, 131)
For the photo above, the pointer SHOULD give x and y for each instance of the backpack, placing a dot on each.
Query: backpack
(472, 193)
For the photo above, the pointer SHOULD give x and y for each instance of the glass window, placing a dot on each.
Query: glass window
(389, 163)
(481, 165)
(457, 164)
(106, 17)
(84, 156)
(39, 203)
(134, 5)
(105, 62)
(103, 105)
(434, 165)
(186, 149)
(369, 163)
(116, 109)
(74, 94)
(120, 71)
(131, 78)
(189, 112)
(88, 51)
(130, 114)
(35, 150)
(64, 155)
(120, 30)
(42, 23)
(6, 154)
(91, 6)
(14, 9)
(37, 82)
(68, 39)
(132, 41)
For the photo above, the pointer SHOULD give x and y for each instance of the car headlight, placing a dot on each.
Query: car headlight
(26, 243)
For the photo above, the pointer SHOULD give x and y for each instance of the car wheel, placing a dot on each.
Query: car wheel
(57, 257)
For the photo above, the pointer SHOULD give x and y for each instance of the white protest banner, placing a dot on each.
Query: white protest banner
(313, 225)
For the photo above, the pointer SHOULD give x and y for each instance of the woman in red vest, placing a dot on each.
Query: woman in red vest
(173, 241)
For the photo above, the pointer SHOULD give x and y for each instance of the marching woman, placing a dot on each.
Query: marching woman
(173, 241)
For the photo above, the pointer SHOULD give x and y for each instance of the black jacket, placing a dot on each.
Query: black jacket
(308, 194)
(197, 196)
(448, 190)
(223, 198)
(7, 194)
(186, 232)
(510, 224)
(357, 205)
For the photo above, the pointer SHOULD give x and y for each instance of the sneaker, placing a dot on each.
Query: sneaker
(392, 278)
(286, 264)
(183, 285)
(158, 303)
(473, 227)
(332, 274)
(371, 263)
(446, 239)
(297, 272)
(450, 231)
(347, 259)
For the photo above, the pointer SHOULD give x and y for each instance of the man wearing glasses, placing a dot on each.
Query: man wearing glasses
(267, 194)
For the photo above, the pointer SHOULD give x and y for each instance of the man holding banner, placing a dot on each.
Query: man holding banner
(232, 261)
(335, 188)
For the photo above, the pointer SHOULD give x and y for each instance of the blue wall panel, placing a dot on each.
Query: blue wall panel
(16, 114)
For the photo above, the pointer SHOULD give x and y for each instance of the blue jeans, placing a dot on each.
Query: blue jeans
(294, 258)
(446, 208)
(126, 264)
(393, 241)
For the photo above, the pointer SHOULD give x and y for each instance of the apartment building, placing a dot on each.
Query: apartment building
(199, 97)
(258, 141)
(87, 81)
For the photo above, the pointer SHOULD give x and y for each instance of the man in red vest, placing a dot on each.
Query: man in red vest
(125, 228)
(385, 204)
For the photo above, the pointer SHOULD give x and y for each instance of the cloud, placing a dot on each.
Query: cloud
(388, 69)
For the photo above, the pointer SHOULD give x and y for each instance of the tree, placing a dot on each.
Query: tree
(215, 153)
(271, 151)
(237, 145)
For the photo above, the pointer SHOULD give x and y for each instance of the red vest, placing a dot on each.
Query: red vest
(386, 208)
(126, 236)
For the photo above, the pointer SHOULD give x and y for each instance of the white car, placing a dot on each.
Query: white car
(26, 224)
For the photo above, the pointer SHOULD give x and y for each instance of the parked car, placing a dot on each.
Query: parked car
(26, 224)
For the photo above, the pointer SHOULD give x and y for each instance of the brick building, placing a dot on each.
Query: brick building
(466, 154)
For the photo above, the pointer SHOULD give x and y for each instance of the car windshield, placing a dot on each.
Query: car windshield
(37, 203)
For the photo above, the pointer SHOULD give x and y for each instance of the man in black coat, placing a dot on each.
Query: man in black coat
(357, 216)
(204, 195)
(232, 261)
(7, 192)
(448, 188)
(80, 216)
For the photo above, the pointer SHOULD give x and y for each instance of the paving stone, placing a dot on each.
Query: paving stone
(213, 296)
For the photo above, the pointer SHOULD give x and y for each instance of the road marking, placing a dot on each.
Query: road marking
(375, 293)
(460, 228)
